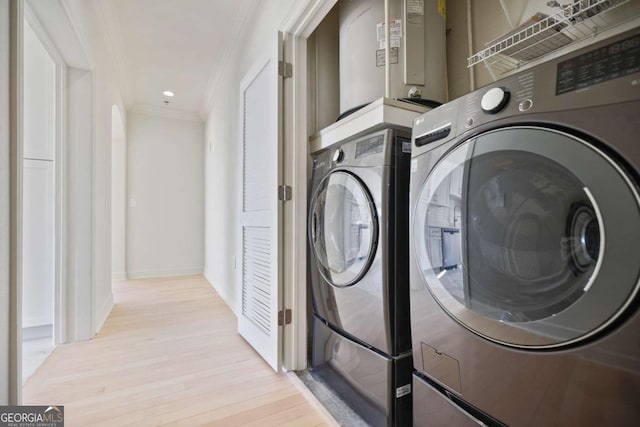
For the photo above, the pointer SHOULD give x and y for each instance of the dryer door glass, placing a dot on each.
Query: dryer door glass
(343, 228)
(526, 236)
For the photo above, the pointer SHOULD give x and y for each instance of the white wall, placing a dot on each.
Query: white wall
(80, 206)
(165, 177)
(118, 197)
(4, 204)
(106, 94)
(222, 188)
(488, 22)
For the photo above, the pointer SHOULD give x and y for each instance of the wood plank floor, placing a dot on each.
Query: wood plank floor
(168, 354)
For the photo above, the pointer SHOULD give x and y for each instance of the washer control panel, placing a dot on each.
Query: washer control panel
(494, 100)
(513, 95)
(338, 155)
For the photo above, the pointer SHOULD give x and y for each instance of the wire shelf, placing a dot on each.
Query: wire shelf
(544, 34)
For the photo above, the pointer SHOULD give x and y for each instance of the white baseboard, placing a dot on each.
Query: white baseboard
(103, 313)
(28, 322)
(146, 274)
(231, 302)
(119, 277)
(37, 332)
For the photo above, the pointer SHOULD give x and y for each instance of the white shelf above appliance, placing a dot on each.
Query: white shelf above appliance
(543, 35)
(381, 113)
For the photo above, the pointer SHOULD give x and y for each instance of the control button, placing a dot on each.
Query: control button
(494, 100)
(469, 122)
(338, 155)
(525, 105)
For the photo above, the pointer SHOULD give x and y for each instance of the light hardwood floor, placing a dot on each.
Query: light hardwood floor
(168, 354)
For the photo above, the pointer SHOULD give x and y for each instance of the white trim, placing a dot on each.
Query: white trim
(61, 27)
(16, 73)
(247, 9)
(43, 330)
(119, 277)
(78, 30)
(296, 350)
(94, 202)
(146, 274)
(113, 31)
(166, 112)
(220, 290)
(6, 287)
(35, 321)
(307, 19)
(60, 251)
(300, 23)
(103, 313)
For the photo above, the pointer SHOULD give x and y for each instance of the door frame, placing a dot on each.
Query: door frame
(16, 20)
(75, 202)
(60, 175)
(302, 21)
(74, 305)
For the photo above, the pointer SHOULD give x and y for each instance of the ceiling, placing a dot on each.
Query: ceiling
(176, 45)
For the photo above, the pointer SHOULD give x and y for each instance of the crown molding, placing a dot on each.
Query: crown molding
(166, 112)
(115, 46)
(234, 39)
(79, 29)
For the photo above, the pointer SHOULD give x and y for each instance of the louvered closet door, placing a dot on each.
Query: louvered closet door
(259, 269)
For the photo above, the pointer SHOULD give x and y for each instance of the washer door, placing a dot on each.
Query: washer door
(343, 228)
(529, 237)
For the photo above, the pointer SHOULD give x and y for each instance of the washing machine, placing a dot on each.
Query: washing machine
(525, 233)
(359, 268)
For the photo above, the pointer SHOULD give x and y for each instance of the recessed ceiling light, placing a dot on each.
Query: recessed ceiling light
(167, 93)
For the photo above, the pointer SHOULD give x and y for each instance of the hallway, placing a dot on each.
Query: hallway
(168, 354)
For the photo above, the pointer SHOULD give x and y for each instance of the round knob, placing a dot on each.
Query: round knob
(338, 155)
(525, 105)
(494, 100)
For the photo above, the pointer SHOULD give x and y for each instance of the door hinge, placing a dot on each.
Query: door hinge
(284, 192)
(284, 317)
(285, 69)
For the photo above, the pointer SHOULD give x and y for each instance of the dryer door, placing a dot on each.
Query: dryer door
(547, 226)
(343, 228)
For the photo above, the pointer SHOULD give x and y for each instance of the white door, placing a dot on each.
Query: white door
(38, 243)
(259, 268)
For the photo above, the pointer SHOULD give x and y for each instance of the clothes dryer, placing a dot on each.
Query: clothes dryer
(358, 237)
(529, 314)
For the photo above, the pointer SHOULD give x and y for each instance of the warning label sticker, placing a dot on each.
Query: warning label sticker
(393, 56)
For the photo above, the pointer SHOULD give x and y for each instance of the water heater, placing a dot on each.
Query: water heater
(417, 50)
